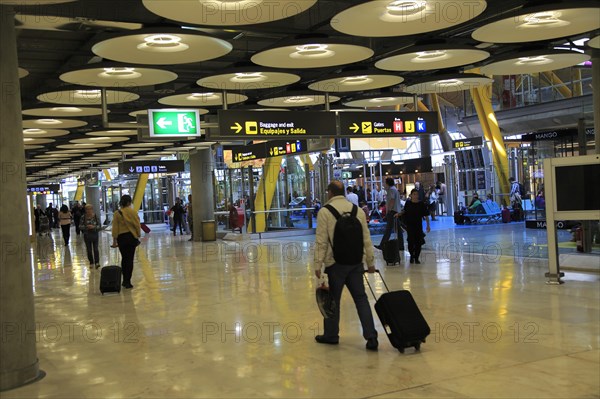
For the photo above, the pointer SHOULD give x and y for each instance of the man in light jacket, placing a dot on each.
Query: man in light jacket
(340, 275)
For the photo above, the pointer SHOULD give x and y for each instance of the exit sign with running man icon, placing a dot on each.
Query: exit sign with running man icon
(174, 122)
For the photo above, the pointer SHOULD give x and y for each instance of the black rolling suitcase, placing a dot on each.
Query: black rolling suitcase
(110, 279)
(459, 218)
(401, 318)
(391, 252)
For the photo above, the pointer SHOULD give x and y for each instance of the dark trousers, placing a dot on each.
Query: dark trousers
(389, 227)
(177, 221)
(415, 240)
(66, 232)
(191, 224)
(127, 244)
(352, 277)
(91, 246)
(77, 220)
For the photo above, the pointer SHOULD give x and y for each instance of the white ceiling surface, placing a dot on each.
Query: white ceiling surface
(67, 112)
(118, 76)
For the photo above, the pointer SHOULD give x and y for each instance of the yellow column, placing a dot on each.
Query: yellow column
(106, 174)
(79, 193)
(562, 88)
(491, 129)
(267, 185)
(576, 78)
(140, 189)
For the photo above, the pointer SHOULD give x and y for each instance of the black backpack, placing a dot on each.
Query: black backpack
(348, 246)
(522, 190)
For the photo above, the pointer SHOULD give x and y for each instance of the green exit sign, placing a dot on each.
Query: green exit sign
(174, 122)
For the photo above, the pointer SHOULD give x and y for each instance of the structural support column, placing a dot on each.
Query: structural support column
(596, 94)
(41, 201)
(140, 190)
(202, 166)
(489, 124)
(19, 363)
(92, 195)
(445, 138)
(266, 187)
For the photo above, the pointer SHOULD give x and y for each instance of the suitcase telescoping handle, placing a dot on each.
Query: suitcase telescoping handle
(369, 284)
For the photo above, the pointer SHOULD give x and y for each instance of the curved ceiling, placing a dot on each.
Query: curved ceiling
(54, 40)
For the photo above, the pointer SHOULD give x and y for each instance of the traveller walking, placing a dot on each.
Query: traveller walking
(126, 231)
(90, 225)
(64, 217)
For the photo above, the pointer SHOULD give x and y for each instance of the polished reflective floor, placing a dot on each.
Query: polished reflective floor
(238, 320)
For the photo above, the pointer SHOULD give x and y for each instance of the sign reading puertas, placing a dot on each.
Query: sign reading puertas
(274, 124)
(387, 124)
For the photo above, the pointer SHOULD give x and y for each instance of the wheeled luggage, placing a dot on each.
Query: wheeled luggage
(391, 252)
(401, 318)
(110, 279)
(459, 218)
(505, 215)
(145, 228)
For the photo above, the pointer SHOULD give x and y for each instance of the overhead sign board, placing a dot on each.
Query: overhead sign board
(174, 122)
(43, 189)
(136, 167)
(279, 125)
(554, 134)
(464, 143)
(387, 124)
(268, 150)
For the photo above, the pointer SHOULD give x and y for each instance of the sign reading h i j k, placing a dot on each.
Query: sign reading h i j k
(174, 122)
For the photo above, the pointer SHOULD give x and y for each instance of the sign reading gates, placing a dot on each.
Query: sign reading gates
(387, 124)
(268, 150)
(136, 167)
(174, 122)
(45, 189)
(464, 143)
(274, 124)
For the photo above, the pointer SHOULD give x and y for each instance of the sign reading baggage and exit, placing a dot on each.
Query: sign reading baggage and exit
(136, 167)
(174, 122)
(274, 124)
(387, 124)
(465, 143)
(268, 150)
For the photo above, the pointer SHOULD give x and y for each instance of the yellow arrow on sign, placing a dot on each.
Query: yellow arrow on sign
(354, 127)
(237, 127)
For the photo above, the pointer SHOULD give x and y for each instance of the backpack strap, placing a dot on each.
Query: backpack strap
(354, 212)
(334, 211)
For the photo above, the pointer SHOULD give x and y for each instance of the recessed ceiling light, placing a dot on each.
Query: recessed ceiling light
(163, 44)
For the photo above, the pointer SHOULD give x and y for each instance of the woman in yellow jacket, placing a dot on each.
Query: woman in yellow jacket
(126, 233)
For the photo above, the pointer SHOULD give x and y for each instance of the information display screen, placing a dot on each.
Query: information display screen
(577, 188)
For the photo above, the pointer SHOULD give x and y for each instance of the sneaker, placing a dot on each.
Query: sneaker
(322, 340)
(372, 344)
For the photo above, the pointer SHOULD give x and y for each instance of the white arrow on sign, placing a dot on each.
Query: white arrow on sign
(163, 122)
(131, 169)
(354, 127)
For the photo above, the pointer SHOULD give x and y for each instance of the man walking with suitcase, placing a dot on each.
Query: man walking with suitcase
(342, 239)
(393, 206)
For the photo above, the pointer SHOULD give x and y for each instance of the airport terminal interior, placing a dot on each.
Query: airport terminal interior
(224, 122)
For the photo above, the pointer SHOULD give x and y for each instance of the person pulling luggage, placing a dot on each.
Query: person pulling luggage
(413, 214)
(342, 240)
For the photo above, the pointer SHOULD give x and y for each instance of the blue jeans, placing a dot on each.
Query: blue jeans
(389, 227)
(352, 277)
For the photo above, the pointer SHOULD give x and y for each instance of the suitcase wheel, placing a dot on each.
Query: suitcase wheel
(401, 350)
(418, 346)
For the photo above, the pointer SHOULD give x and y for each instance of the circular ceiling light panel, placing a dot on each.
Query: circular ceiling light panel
(107, 155)
(227, 12)
(125, 151)
(295, 100)
(180, 149)
(403, 17)
(113, 133)
(534, 61)
(420, 58)
(69, 112)
(87, 97)
(33, 2)
(100, 140)
(449, 83)
(356, 81)
(63, 155)
(146, 157)
(32, 141)
(201, 111)
(111, 75)
(542, 23)
(201, 99)
(314, 53)
(81, 147)
(594, 42)
(23, 72)
(51, 123)
(248, 79)
(162, 47)
(33, 147)
(44, 133)
(80, 150)
(380, 100)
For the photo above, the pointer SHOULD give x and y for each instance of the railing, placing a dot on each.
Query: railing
(276, 219)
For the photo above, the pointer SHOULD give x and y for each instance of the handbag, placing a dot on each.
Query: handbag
(137, 240)
(325, 301)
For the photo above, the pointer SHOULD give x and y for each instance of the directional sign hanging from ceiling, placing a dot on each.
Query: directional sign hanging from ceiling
(268, 150)
(137, 167)
(174, 122)
(274, 124)
(387, 124)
